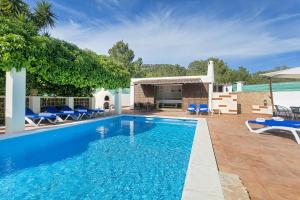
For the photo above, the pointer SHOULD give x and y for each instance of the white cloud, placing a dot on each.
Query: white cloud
(164, 39)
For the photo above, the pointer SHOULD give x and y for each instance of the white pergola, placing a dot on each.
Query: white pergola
(293, 73)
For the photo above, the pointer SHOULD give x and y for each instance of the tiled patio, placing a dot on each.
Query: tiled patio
(268, 165)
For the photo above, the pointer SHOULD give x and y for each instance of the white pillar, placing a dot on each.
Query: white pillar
(70, 102)
(131, 95)
(211, 76)
(239, 86)
(15, 97)
(118, 101)
(35, 104)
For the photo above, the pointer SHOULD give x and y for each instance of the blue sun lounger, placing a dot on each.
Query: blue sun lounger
(78, 112)
(192, 108)
(65, 114)
(270, 124)
(30, 117)
(91, 111)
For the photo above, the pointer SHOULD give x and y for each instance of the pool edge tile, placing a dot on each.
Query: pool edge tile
(202, 178)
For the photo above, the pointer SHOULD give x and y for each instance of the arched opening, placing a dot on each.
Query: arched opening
(106, 98)
(106, 105)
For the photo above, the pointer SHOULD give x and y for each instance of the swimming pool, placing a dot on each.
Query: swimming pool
(121, 157)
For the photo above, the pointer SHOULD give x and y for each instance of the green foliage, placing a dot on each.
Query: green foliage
(197, 67)
(162, 70)
(56, 62)
(65, 64)
(13, 8)
(122, 54)
(15, 40)
(43, 15)
(223, 73)
(36, 83)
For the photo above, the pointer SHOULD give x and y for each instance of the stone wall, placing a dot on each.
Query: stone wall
(225, 102)
(248, 101)
(196, 93)
(144, 94)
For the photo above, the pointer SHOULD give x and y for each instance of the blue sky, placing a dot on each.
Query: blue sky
(257, 34)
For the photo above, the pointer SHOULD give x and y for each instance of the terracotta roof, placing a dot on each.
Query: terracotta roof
(168, 81)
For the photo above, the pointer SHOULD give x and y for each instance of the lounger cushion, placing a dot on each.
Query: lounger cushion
(271, 122)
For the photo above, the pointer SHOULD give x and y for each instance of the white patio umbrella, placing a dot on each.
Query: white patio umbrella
(293, 73)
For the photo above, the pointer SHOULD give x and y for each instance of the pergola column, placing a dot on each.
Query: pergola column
(15, 97)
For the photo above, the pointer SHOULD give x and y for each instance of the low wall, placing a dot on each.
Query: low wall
(225, 102)
(246, 101)
(260, 102)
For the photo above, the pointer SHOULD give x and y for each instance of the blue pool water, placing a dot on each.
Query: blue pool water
(118, 158)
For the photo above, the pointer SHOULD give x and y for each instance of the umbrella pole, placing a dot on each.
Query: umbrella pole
(271, 96)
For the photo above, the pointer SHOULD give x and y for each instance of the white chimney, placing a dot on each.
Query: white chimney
(210, 71)
(211, 77)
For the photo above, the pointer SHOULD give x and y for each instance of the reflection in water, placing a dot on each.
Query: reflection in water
(101, 131)
(131, 132)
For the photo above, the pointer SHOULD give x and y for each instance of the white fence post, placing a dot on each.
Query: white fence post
(92, 103)
(35, 104)
(70, 102)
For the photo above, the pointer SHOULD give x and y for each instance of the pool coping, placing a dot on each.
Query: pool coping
(202, 178)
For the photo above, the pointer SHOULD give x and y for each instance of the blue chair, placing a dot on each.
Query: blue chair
(203, 108)
(192, 108)
(31, 117)
(271, 124)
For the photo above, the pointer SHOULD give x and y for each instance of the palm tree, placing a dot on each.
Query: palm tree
(43, 15)
(13, 8)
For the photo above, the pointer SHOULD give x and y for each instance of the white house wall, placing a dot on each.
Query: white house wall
(287, 99)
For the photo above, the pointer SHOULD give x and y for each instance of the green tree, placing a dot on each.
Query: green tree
(13, 8)
(162, 70)
(121, 53)
(43, 15)
(197, 67)
(56, 62)
(223, 73)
